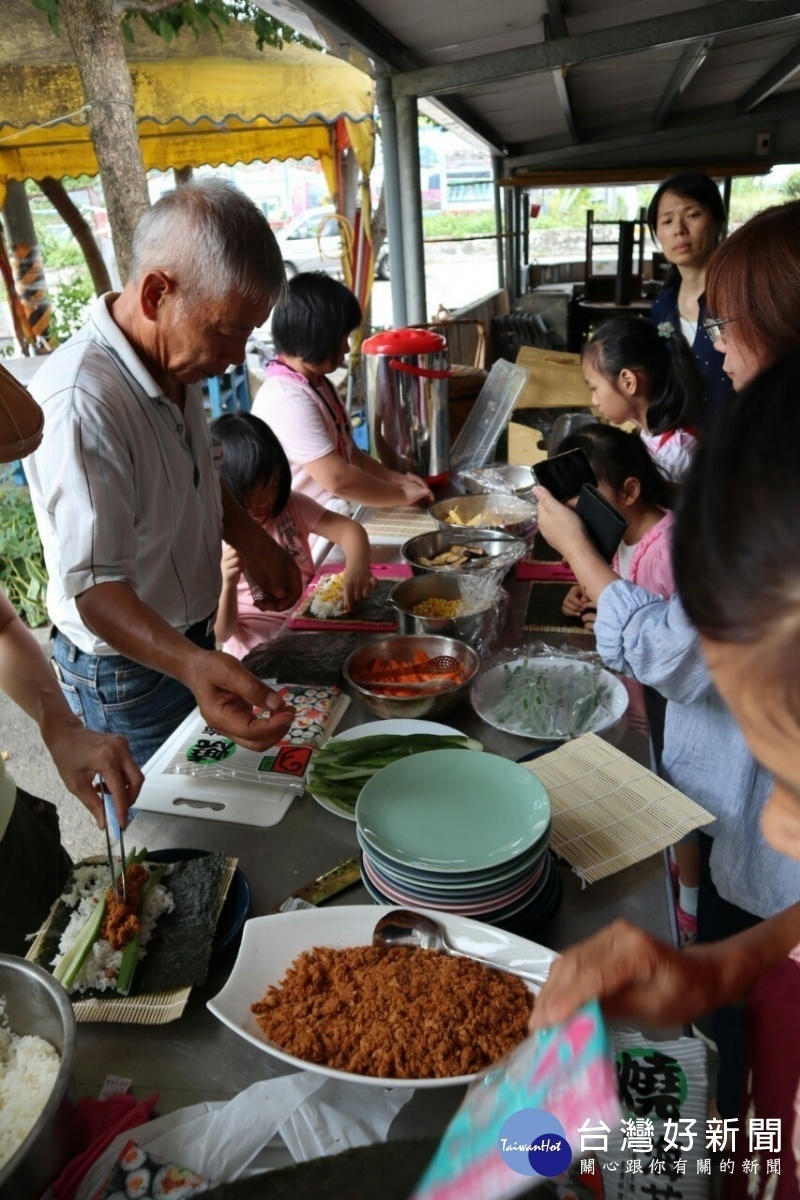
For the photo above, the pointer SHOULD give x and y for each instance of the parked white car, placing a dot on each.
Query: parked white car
(312, 242)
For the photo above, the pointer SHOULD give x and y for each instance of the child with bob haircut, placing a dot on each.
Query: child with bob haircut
(256, 472)
(311, 329)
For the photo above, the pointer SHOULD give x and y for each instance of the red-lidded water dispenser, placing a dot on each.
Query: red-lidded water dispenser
(406, 375)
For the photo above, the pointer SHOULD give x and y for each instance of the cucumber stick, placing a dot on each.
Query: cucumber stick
(69, 965)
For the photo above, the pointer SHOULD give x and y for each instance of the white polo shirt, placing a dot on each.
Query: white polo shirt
(125, 486)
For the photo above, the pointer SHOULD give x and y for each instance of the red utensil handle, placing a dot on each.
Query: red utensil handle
(425, 372)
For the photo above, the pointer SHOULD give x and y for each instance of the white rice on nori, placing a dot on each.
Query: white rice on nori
(28, 1069)
(101, 968)
(328, 598)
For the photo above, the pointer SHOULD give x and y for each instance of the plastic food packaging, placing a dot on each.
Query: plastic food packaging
(537, 691)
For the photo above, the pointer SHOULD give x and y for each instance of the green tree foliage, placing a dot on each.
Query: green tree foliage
(791, 187)
(23, 576)
(71, 301)
(199, 16)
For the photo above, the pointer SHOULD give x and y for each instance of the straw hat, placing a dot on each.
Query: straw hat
(21, 419)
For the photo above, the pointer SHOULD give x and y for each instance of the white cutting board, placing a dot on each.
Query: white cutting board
(211, 800)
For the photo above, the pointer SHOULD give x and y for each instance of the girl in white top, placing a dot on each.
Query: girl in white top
(311, 329)
(640, 373)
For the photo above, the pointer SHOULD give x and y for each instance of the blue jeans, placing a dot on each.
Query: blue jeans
(112, 694)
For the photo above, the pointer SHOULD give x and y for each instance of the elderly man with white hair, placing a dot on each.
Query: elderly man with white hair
(126, 489)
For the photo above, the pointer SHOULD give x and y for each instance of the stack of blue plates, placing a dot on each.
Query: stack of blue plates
(462, 832)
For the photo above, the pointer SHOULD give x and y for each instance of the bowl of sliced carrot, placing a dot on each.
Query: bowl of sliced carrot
(405, 676)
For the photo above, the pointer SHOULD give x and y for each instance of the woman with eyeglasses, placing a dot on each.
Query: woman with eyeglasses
(754, 287)
(753, 293)
(737, 564)
(687, 218)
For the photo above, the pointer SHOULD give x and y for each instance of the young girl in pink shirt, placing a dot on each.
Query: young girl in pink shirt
(630, 479)
(256, 472)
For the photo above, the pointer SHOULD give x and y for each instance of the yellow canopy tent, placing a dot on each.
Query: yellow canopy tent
(198, 101)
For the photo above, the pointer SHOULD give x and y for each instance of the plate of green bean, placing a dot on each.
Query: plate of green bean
(341, 767)
(549, 697)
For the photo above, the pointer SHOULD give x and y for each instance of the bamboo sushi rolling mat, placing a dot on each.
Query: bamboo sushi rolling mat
(543, 612)
(151, 1008)
(398, 524)
(608, 810)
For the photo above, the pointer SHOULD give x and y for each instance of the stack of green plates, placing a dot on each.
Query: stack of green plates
(463, 833)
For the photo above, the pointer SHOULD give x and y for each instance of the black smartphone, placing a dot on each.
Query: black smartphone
(565, 474)
(605, 523)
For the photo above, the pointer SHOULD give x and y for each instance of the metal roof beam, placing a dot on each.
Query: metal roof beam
(558, 24)
(556, 27)
(788, 66)
(358, 28)
(549, 151)
(354, 26)
(690, 25)
(690, 63)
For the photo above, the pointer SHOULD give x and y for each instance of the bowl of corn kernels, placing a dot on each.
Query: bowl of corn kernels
(468, 608)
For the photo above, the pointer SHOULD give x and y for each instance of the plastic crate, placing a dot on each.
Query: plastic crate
(227, 393)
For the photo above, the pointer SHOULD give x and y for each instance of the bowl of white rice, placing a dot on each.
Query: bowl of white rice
(37, 1092)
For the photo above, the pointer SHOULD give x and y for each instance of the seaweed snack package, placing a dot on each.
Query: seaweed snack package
(205, 754)
(139, 1175)
(521, 1122)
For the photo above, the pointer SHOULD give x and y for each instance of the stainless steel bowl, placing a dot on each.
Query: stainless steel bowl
(500, 511)
(36, 1004)
(478, 629)
(504, 548)
(402, 648)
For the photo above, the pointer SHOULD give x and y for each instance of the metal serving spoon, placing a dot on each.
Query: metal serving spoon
(430, 687)
(402, 927)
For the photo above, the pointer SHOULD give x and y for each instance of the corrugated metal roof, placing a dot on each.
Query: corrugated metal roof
(628, 102)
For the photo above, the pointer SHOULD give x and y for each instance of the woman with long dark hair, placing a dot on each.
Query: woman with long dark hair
(687, 218)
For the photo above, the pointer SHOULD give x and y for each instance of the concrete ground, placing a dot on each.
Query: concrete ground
(33, 769)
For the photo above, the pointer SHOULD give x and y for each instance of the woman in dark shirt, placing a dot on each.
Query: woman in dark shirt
(687, 217)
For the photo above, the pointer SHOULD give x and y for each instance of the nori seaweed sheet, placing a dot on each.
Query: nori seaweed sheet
(180, 948)
(389, 1170)
(304, 657)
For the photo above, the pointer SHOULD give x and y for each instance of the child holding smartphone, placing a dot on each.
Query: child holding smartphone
(630, 479)
(256, 471)
(648, 375)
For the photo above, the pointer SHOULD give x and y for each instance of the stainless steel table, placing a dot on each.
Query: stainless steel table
(198, 1058)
